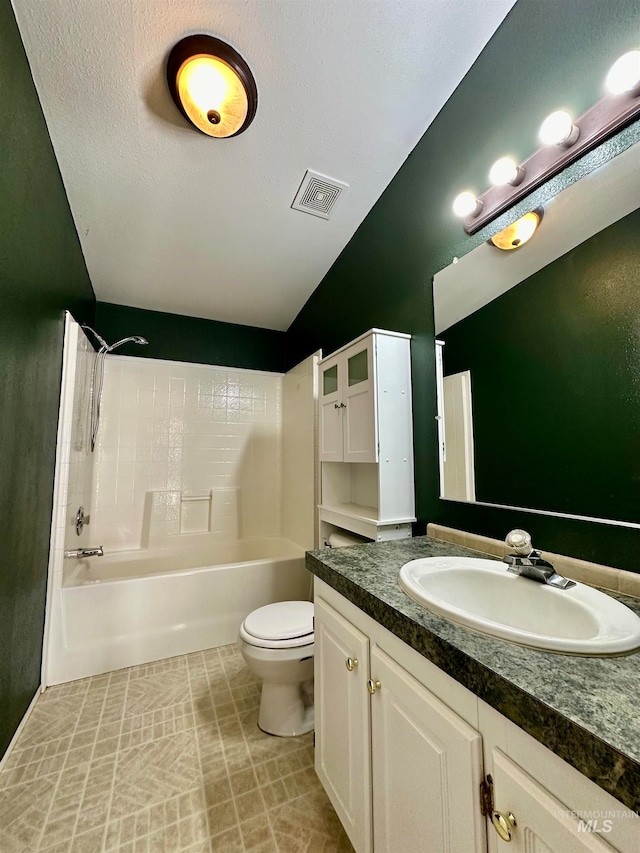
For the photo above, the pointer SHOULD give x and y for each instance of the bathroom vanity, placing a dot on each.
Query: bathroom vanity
(433, 737)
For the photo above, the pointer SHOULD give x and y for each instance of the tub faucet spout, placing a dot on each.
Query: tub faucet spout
(80, 553)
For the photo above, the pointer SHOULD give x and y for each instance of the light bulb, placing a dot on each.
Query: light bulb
(624, 74)
(519, 232)
(506, 171)
(466, 204)
(212, 94)
(558, 129)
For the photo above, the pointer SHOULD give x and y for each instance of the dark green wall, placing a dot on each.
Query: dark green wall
(178, 338)
(42, 272)
(554, 368)
(547, 54)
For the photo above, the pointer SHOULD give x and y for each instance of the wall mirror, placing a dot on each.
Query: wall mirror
(539, 359)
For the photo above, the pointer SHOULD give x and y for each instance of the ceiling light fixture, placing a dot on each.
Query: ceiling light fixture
(212, 86)
(519, 232)
(564, 140)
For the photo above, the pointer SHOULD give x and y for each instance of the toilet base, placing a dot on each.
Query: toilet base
(283, 712)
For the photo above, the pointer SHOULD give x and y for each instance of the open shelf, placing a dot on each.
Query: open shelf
(364, 521)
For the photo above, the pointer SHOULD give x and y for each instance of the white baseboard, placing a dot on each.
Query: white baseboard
(18, 731)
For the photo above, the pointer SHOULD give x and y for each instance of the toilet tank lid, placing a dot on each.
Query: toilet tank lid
(281, 621)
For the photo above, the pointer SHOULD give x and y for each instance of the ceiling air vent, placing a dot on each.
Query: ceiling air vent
(318, 194)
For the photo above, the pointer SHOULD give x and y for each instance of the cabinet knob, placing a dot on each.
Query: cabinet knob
(351, 663)
(337, 405)
(373, 685)
(503, 824)
(343, 405)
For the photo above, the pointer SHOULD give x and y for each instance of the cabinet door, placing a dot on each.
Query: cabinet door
(343, 760)
(427, 769)
(543, 823)
(331, 410)
(359, 419)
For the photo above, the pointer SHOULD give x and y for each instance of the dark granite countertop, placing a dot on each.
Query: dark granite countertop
(585, 709)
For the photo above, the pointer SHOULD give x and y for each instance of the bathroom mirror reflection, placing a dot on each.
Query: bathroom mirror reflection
(539, 359)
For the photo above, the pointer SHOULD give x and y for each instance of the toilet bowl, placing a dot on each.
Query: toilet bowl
(276, 642)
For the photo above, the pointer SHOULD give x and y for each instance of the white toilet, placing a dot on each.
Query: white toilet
(276, 642)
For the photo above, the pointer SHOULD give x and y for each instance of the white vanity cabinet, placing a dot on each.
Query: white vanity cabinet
(402, 770)
(366, 437)
(343, 755)
(426, 768)
(402, 750)
(543, 823)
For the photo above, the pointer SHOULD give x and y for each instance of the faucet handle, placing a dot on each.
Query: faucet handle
(519, 541)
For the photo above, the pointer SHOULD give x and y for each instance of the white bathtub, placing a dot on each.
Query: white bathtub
(139, 606)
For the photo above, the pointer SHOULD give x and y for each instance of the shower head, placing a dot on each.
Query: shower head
(134, 339)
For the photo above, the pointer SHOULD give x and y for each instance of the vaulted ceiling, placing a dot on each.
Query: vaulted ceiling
(174, 221)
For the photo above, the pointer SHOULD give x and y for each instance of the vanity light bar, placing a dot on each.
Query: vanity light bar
(616, 110)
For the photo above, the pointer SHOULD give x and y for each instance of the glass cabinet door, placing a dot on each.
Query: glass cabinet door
(331, 412)
(330, 380)
(359, 428)
(358, 367)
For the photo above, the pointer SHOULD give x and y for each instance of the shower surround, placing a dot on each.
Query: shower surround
(203, 510)
(179, 439)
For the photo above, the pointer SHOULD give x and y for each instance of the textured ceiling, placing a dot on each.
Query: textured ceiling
(174, 221)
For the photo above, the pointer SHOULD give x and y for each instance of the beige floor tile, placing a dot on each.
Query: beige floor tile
(154, 692)
(217, 792)
(165, 757)
(256, 833)
(308, 819)
(51, 721)
(274, 794)
(250, 805)
(222, 817)
(154, 772)
(227, 842)
(88, 842)
(23, 812)
(243, 781)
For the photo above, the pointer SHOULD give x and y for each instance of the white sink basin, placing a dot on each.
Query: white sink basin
(483, 595)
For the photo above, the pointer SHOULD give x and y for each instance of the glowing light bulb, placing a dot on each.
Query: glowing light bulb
(206, 82)
(212, 95)
(624, 74)
(558, 129)
(519, 232)
(506, 171)
(466, 204)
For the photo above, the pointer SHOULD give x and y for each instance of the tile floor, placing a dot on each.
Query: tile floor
(162, 758)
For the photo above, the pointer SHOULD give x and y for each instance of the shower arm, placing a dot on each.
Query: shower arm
(96, 398)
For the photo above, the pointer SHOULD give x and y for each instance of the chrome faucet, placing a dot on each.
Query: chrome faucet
(85, 552)
(529, 563)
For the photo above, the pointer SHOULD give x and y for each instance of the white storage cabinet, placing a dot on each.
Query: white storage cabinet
(366, 437)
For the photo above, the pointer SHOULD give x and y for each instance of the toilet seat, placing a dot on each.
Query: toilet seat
(283, 625)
